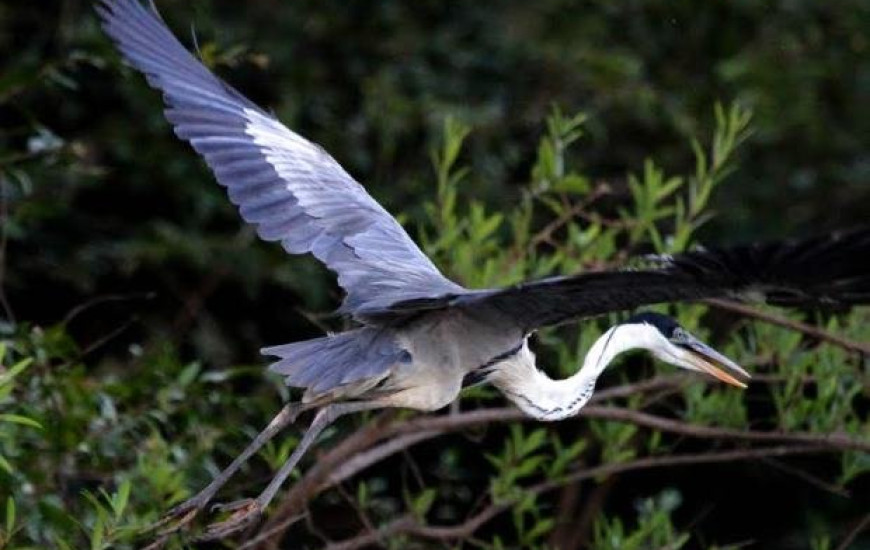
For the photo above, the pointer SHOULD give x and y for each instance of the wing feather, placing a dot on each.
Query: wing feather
(830, 270)
(288, 187)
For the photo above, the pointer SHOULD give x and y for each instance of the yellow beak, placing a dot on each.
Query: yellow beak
(706, 359)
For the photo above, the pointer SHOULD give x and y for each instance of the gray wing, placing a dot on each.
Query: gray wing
(288, 187)
(830, 270)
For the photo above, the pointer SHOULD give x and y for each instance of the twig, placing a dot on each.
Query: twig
(648, 385)
(106, 338)
(850, 538)
(809, 478)
(838, 441)
(679, 460)
(362, 461)
(412, 431)
(277, 529)
(566, 216)
(409, 526)
(371, 538)
(454, 422)
(360, 513)
(815, 332)
(107, 298)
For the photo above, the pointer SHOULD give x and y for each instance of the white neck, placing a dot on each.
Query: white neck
(541, 397)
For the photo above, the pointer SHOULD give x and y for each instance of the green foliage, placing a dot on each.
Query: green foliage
(151, 408)
(132, 304)
(654, 527)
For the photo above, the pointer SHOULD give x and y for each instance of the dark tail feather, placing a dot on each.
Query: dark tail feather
(323, 364)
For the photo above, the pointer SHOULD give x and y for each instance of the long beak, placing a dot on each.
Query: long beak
(706, 359)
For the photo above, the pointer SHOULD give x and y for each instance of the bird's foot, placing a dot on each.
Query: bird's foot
(181, 516)
(231, 506)
(245, 513)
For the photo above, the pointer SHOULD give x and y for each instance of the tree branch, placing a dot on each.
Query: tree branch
(863, 524)
(350, 456)
(407, 525)
(809, 330)
(446, 423)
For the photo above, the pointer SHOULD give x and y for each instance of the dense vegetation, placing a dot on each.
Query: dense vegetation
(132, 302)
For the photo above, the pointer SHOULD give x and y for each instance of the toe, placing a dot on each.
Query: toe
(242, 518)
(174, 520)
(232, 506)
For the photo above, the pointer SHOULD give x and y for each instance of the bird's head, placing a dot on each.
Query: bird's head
(671, 343)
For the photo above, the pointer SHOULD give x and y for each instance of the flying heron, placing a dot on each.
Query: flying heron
(419, 335)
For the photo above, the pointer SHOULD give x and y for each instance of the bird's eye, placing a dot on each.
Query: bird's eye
(679, 335)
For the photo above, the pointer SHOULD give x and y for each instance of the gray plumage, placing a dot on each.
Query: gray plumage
(289, 188)
(420, 334)
(293, 192)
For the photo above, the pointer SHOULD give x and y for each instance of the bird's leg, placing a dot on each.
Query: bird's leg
(249, 511)
(184, 513)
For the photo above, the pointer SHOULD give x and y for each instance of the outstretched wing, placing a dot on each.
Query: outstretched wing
(830, 270)
(288, 187)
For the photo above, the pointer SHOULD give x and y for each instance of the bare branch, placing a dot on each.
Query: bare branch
(808, 477)
(863, 524)
(361, 461)
(648, 385)
(348, 458)
(679, 460)
(809, 330)
(454, 422)
(839, 441)
(409, 526)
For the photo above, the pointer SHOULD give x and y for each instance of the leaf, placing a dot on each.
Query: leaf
(98, 532)
(122, 496)
(18, 419)
(424, 502)
(188, 374)
(572, 183)
(5, 465)
(541, 528)
(10, 517)
(14, 371)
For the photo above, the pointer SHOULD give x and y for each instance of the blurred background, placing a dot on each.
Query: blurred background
(139, 300)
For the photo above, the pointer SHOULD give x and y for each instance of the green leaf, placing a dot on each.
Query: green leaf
(18, 419)
(541, 528)
(10, 514)
(120, 499)
(14, 370)
(5, 465)
(98, 532)
(423, 502)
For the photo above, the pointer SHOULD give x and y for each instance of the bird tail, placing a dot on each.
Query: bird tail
(354, 359)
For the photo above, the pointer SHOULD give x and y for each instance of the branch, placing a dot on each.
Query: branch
(863, 524)
(350, 456)
(808, 478)
(407, 525)
(447, 423)
(815, 332)
(678, 460)
(650, 384)
(839, 441)
(361, 461)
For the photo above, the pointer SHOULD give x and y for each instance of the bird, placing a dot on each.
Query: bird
(417, 336)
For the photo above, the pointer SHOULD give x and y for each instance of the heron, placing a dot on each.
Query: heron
(417, 335)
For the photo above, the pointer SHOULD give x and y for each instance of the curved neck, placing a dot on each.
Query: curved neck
(541, 397)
